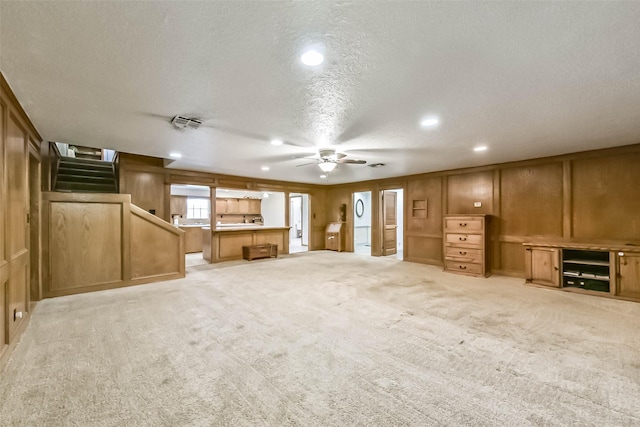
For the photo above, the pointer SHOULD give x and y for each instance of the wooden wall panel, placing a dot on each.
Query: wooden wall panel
(606, 198)
(147, 191)
(511, 259)
(465, 189)
(230, 245)
(429, 190)
(154, 251)
(531, 200)
(423, 249)
(275, 238)
(86, 244)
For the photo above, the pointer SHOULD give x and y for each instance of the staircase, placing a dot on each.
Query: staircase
(85, 176)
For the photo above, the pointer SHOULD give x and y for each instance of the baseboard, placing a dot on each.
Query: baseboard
(6, 354)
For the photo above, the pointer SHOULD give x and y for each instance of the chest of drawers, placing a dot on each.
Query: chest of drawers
(465, 244)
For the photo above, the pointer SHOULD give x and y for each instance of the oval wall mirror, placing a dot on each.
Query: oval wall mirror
(359, 208)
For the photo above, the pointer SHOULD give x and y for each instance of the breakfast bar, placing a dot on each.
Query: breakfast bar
(225, 243)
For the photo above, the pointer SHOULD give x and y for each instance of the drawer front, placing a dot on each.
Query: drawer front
(463, 267)
(463, 225)
(463, 254)
(464, 240)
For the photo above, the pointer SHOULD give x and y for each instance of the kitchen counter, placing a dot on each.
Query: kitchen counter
(193, 237)
(225, 243)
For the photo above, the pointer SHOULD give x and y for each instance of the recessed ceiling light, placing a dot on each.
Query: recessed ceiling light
(429, 122)
(265, 195)
(312, 58)
(480, 148)
(276, 142)
(175, 155)
(265, 168)
(323, 176)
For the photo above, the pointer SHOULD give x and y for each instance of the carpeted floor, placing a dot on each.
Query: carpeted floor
(326, 339)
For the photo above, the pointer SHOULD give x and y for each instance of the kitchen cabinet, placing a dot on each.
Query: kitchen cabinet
(179, 206)
(233, 206)
(465, 249)
(221, 206)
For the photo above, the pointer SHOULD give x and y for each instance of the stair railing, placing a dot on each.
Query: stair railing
(55, 163)
(115, 164)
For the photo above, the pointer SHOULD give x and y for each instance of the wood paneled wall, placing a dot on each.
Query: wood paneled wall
(16, 135)
(582, 197)
(101, 241)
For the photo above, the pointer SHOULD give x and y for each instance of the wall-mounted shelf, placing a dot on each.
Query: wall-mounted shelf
(419, 208)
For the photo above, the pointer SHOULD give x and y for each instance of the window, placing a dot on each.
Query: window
(197, 208)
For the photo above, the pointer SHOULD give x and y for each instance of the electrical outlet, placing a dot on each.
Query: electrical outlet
(477, 204)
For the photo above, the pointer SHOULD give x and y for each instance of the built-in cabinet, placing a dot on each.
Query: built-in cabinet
(593, 269)
(465, 245)
(234, 206)
(543, 265)
(629, 271)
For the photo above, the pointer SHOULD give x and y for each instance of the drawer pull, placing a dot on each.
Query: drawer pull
(462, 267)
(462, 239)
(463, 224)
(462, 252)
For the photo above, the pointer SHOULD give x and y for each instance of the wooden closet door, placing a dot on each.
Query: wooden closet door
(17, 232)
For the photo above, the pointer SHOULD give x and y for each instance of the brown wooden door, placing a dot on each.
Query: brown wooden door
(629, 275)
(390, 223)
(17, 230)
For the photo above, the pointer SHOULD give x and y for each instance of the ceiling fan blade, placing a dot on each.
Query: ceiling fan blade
(307, 164)
(304, 156)
(352, 161)
(339, 156)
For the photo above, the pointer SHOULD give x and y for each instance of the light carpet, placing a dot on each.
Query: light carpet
(326, 339)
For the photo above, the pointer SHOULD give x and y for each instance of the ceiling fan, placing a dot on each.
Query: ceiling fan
(329, 159)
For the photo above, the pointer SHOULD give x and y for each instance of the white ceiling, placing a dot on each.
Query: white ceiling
(528, 79)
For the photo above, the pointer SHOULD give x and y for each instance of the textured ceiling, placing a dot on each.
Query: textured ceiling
(527, 79)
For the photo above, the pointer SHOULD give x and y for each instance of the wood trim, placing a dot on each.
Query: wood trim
(567, 200)
(18, 107)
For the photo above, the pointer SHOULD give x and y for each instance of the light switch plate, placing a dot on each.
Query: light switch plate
(477, 204)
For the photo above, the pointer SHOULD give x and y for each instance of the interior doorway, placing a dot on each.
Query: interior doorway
(299, 222)
(362, 222)
(393, 222)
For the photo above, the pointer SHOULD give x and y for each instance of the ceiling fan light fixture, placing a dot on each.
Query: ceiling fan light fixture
(327, 167)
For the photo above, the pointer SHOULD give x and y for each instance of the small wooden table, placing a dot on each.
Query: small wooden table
(259, 251)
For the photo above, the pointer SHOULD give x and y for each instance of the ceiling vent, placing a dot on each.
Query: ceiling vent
(182, 122)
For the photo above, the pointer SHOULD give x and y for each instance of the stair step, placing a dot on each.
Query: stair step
(86, 172)
(86, 166)
(64, 177)
(85, 187)
(83, 161)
